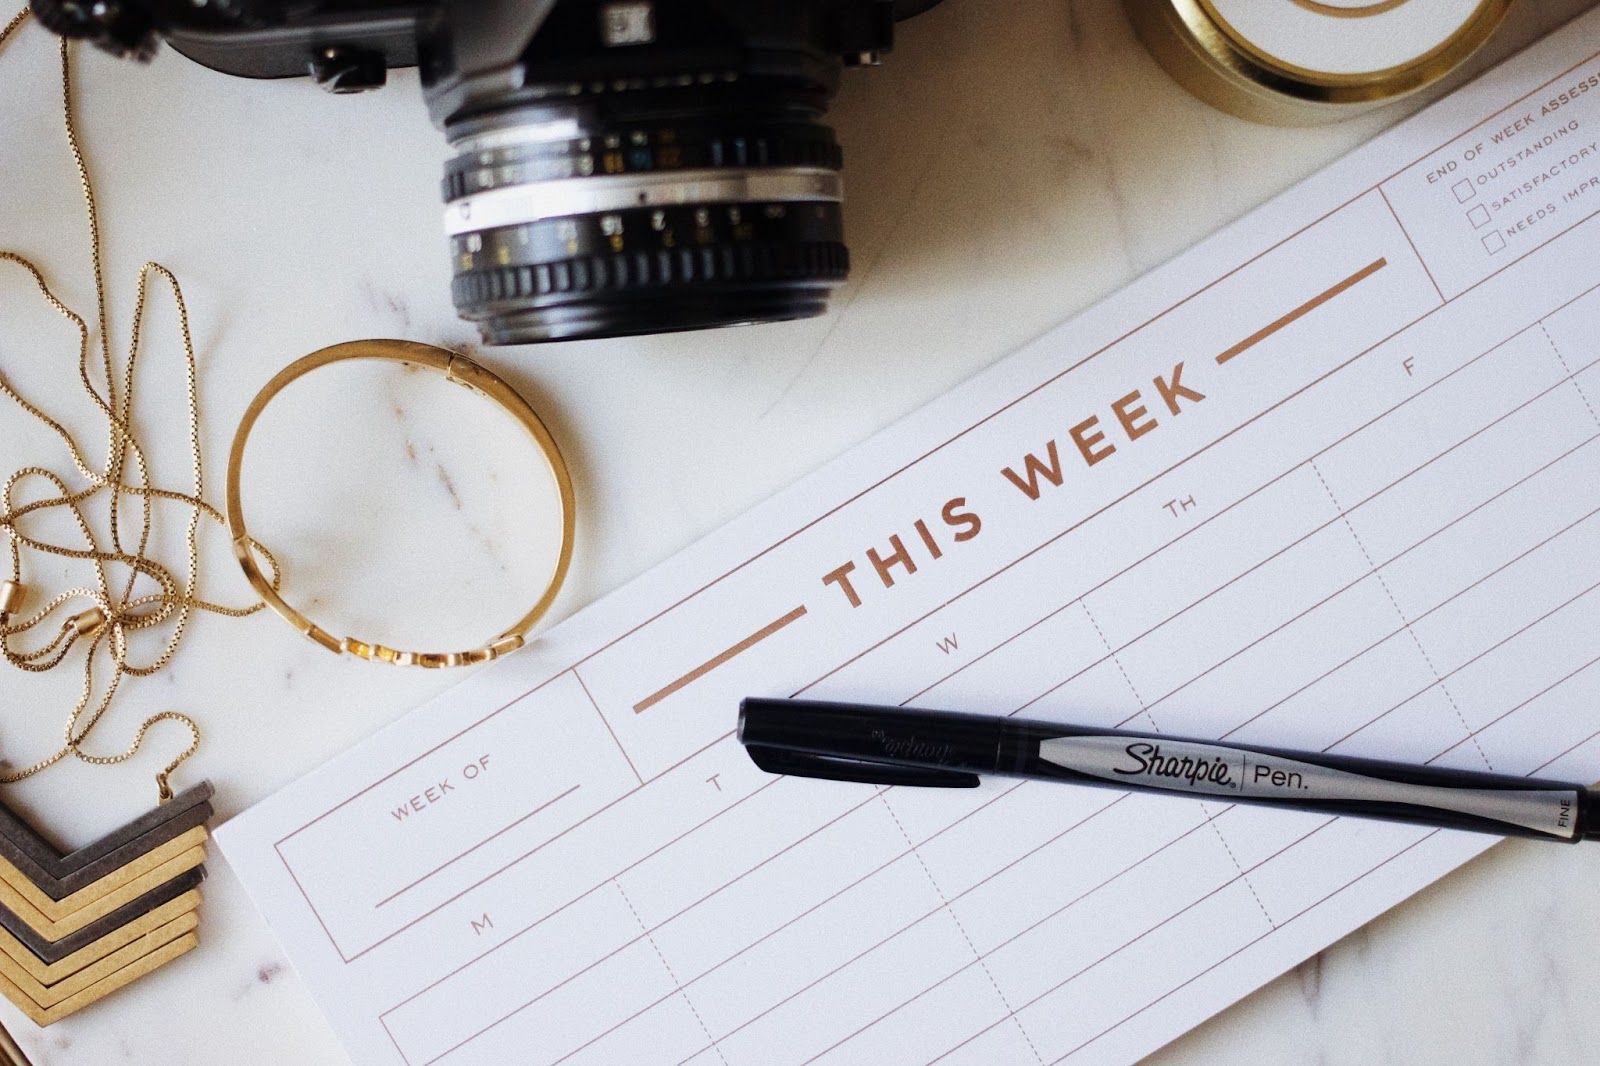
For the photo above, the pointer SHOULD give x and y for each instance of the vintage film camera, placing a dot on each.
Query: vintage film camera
(621, 166)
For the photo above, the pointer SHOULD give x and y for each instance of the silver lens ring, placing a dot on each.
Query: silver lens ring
(548, 131)
(535, 202)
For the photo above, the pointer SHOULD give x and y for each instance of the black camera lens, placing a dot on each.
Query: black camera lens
(652, 208)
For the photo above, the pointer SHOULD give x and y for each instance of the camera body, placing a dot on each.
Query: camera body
(621, 166)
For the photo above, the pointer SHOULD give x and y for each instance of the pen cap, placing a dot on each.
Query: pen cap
(906, 737)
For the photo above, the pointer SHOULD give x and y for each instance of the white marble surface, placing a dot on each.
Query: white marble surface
(1010, 164)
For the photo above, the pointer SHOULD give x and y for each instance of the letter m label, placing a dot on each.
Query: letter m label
(480, 924)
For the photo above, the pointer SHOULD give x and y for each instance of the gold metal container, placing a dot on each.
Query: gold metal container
(1306, 62)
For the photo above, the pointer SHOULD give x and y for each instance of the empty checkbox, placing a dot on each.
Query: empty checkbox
(1478, 216)
(1464, 191)
(1493, 242)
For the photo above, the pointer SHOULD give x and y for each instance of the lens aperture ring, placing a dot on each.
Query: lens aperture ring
(638, 151)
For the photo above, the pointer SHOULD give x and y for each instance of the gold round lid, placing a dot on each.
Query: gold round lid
(1301, 62)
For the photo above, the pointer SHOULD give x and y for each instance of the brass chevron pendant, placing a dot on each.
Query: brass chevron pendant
(77, 926)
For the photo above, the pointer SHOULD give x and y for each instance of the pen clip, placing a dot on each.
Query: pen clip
(842, 768)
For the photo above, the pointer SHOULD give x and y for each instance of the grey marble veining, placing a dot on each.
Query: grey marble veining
(1007, 166)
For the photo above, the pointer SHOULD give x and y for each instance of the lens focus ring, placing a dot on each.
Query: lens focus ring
(557, 276)
(644, 270)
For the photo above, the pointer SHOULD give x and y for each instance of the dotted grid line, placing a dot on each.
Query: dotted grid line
(1554, 347)
(668, 967)
(963, 930)
(1120, 668)
(1210, 818)
(1404, 621)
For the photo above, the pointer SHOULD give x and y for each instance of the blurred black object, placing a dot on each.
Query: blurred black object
(621, 167)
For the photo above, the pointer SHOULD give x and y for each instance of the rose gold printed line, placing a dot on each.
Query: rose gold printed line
(711, 664)
(1310, 305)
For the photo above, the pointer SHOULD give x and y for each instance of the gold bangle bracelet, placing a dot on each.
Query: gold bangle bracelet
(462, 371)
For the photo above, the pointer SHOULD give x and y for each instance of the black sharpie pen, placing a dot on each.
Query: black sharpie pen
(903, 746)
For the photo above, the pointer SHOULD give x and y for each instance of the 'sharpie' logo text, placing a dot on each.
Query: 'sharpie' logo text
(1148, 760)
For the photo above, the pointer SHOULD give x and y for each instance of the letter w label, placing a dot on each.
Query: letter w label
(1033, 470)
(947, 644)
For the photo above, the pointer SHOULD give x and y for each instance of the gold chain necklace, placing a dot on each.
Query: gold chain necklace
(113, 612)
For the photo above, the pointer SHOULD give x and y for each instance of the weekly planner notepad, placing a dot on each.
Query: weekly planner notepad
(1327, 481)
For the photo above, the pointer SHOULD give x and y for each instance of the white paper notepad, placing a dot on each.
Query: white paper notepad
(1327, 481)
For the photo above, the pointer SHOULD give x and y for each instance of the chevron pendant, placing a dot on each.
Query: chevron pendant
(77, 926)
